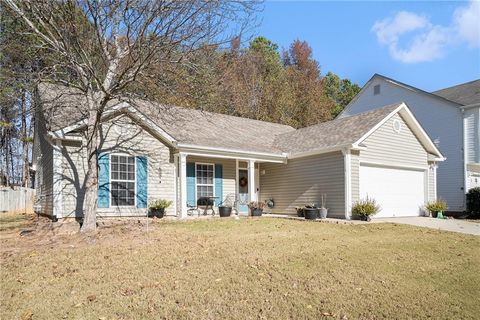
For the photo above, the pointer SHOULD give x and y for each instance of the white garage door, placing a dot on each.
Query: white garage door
(400, 192)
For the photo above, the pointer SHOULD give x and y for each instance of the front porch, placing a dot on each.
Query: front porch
(226, 179)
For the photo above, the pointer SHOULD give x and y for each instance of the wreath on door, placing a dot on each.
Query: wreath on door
(243, 182)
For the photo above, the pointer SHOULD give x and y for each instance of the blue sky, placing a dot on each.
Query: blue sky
(430, 45)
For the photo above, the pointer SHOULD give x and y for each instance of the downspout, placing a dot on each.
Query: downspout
(465, 159)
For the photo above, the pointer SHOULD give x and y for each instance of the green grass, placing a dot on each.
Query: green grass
(14, 221)
(243, 269)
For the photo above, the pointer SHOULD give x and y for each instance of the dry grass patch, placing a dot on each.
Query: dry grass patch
(241, 269)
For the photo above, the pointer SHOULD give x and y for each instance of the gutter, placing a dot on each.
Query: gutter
(215, 151)
(469, 106)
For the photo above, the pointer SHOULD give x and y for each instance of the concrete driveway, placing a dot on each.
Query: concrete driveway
(453, 225)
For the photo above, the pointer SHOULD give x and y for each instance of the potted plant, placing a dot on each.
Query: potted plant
(256, 208)
(311, 211)
(299, 212)
(434, 207)
(225, 209)
(364, 208)
(157, 207)
(323, 210)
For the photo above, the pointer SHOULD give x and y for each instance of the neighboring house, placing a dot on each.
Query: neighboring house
(451, 117)
(152, 151)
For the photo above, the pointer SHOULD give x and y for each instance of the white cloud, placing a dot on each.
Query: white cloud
(427, 42)
(467, 23)
(426, 46)
(389, 29)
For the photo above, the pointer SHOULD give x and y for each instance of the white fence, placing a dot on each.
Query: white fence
(17, 200)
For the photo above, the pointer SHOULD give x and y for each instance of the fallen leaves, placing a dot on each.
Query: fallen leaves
(28, 315)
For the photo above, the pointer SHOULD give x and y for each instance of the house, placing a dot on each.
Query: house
(150, 151)
(451, 117)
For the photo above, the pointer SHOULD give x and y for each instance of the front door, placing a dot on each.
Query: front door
(243, 190)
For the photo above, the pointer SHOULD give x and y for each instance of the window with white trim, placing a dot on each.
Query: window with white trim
(205, 182)
(122, 182)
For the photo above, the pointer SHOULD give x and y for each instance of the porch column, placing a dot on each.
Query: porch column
(251, 181)
(182, 172)
(435, 166)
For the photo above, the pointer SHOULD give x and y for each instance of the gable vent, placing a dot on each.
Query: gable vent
(376, 89)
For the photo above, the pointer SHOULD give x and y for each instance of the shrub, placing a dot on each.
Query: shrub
(365, 207)
(473, 202)
(437, 205)
(256, 205)
(160, 204)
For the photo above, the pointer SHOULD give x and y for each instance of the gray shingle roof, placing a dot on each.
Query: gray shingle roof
(63, 107)
(465, 94)
(201, 128)
(332, 134)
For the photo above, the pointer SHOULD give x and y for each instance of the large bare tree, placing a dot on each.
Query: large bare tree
(100, 47)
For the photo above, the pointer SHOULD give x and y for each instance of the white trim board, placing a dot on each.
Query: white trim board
(416, 128)
(392, 165)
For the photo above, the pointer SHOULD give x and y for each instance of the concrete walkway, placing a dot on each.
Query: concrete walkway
(453, 225)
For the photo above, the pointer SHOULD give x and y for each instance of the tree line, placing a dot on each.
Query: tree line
(256, 81)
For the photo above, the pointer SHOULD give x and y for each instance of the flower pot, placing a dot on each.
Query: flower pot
(300, 212)
(310, 213)
(225, 211)
(366, 218)
(159, 213)
(323, 213)
(434, 214)
(256, 212)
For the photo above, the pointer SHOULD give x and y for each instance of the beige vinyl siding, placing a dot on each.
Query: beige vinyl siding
(355, 170)
(121, 136)
(229, 175)
(302, 181)
(74, 166)
(388, 147)
(43, 160)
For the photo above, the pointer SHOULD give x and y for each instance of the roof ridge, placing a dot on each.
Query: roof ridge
(414, 88)
(396, 104)
(456, 85)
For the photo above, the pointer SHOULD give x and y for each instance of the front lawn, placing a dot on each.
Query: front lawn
(240, 269)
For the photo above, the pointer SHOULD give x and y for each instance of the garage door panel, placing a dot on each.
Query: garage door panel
(399, 192)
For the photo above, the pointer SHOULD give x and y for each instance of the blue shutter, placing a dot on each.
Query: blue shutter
(218, 184)
(103, 181)
(142, 182)
(191, 201)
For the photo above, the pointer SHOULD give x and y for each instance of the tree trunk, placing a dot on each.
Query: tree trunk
(25, 174)
(7, 159)
(91, 183)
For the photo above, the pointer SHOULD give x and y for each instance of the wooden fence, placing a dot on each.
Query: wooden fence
(16, 200)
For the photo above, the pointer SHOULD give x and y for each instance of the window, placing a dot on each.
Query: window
(205, 182)
(122, 186)
(376, 89)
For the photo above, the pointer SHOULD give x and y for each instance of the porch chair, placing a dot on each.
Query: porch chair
(191, 209)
